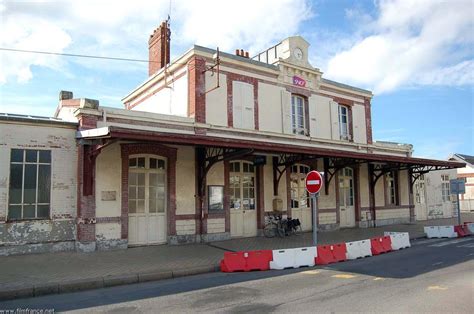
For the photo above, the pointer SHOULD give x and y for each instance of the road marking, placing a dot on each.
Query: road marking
(428, 241)
(311, 272)
(449, 242)
(432, 288)
(466, 245)
(438, 263)
(378, 278)
(344, 276)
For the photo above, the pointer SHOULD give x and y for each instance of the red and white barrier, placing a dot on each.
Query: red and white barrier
(324, 254)
(470, 227)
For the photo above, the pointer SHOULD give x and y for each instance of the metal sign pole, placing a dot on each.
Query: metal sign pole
(315, 216)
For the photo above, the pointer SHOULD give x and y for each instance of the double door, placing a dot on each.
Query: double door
(146, 201)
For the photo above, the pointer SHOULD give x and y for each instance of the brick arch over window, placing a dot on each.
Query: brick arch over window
(153, 149)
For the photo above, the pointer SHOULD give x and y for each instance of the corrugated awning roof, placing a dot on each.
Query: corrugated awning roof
(263, 147)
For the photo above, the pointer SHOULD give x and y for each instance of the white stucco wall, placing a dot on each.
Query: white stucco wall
(62, 144)
(63, 198)
(172, 100)
(185, 181)
(108, 181)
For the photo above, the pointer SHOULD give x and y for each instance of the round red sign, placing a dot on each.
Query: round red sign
(314, 182)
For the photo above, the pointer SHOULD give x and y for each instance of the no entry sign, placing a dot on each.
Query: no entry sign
(314, 182)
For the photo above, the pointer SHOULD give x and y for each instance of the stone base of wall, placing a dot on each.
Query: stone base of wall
(37, 248)
(328, 227)
(392, 221)
(211, 237)
(183, 239)
(113, 244)
(85, 247)
(366, 224)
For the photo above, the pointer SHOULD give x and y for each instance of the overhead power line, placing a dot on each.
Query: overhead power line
(74, 55)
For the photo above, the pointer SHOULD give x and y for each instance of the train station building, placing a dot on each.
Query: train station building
(203, 150)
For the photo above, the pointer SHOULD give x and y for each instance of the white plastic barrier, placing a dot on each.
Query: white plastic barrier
(432, 232)
(400, 240)
(447, 232)
(304, 256)
(282, 259)
(293, 258)
(440, 232)
(470, 227)
(365, 248)
(354, 250)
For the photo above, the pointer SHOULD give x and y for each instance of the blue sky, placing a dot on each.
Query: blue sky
(416, 56)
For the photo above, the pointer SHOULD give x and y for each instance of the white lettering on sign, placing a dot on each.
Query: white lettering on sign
(313, 182)
(299, 81)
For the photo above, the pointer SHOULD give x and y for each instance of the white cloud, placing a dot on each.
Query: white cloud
(122, 28)
(410, 43)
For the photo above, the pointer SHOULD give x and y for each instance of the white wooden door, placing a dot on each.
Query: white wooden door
(300, 205)
(421, 211)
(346, 198)
(146, 201)
(243, 216)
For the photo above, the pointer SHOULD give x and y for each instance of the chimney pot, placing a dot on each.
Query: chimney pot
(241, 52)
(237, 52)
(247, 54)
(64, 95)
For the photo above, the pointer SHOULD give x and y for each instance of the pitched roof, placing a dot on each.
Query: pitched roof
(466, 158)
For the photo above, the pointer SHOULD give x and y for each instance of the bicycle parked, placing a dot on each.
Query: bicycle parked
(278, 226)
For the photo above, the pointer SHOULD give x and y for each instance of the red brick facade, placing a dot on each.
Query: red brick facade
(197, 89)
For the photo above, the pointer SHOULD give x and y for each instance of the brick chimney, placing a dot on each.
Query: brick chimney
(159, 48)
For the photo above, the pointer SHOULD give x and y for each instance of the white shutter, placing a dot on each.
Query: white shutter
(334, 109)
(286, 112)
(312, 116)
(248, 114)
(237, 104)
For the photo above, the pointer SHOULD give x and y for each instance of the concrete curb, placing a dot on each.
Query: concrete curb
(100, 282)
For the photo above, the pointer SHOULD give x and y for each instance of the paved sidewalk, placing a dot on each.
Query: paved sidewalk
(38, 274)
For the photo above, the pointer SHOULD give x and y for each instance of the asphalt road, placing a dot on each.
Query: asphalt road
(432, 276)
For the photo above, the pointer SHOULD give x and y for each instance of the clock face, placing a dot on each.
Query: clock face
(298, 54)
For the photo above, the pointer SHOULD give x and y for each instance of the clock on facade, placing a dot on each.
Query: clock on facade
(298, 53)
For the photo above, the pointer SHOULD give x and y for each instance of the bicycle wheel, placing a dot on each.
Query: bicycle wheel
(270, 230)
(297, 230)
(280, 230)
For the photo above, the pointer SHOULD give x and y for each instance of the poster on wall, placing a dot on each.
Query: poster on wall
(216, 198)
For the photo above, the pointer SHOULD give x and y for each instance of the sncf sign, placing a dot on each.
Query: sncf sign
(298, 81)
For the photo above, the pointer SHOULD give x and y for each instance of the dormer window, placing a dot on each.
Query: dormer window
(344, 122)
(298, 115)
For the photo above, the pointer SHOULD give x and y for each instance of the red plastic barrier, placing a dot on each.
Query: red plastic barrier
(339, 252)
(387, 244)
(258, 260)
(325, 255)
(376, 246)
(460, 231)
(233, 261)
